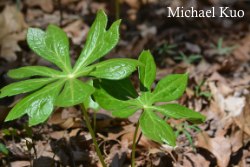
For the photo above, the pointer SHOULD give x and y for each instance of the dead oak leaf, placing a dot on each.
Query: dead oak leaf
(219, 146)
(45, 5)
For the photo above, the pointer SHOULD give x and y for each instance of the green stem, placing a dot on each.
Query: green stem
(92, 134)
(94, 121)
(117, 10)
(134, 145)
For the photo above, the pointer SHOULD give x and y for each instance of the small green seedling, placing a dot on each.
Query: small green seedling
(223, 51)
(122, 97)
(28, 131)
(182, 129)
(3, 149)
(203, 93)
(166, 49)
(62, 88)
(186, 59)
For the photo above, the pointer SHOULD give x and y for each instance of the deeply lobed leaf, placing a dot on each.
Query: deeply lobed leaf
(122, 97)
(53, 45)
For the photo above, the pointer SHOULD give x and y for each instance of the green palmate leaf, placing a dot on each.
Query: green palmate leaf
(24, 86)
(125, 112)
(156, 129)
(3, 149)
(38, 105)
(88, 102)
(99, 41)
(52, 45)
(169, 88)
(26, 72)
(117, 68)
(146, 74)
(112, 99)
(122, 97)
(74, 92)
(178, 111)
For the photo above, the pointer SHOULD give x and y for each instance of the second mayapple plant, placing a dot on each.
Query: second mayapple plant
(121, 97)
(61, 87)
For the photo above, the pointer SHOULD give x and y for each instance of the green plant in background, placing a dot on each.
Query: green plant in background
(223, 51)
(166, 49)
(181, 128)
(122, 97)
(202, 93)
(30, 144)
(3, 149)
(62, 88)
(186, 59)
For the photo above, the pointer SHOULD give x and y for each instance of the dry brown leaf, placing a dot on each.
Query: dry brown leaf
(217, 106)
(63, 117)
(11, 21)
(45, 5)
(193, 159)
(20, 163)
(77, 31)
(144, 143)
(242, 120)
(219, 146)
(241, 53)
(224, 89)
(217, 77)
(235, 136)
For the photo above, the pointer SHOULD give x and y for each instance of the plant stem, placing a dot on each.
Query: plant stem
(117, 9)
(92, 134)
(94, 121)
(134, 145)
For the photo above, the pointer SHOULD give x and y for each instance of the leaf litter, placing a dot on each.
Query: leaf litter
(65, 141)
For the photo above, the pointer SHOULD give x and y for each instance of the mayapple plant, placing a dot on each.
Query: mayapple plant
(121, 96)
(62, 88)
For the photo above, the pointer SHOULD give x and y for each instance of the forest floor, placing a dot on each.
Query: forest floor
(218, 85)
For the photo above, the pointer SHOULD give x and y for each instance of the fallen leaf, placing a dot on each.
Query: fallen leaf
(45, 5)
(219, 146)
